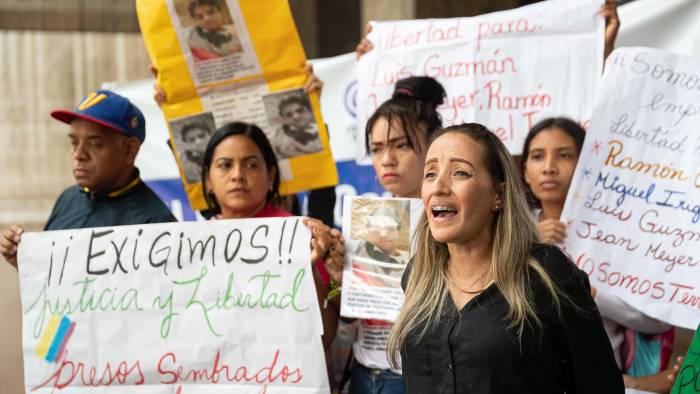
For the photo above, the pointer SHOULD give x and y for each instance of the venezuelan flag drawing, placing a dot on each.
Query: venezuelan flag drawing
(53, 341)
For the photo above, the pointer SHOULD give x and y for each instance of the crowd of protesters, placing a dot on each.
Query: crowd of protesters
(492, 304)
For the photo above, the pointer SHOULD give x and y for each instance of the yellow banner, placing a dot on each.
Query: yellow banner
(224, 61)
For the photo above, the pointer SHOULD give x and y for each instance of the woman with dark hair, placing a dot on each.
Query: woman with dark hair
(396, 138)
(396, 133)
(258, 176)
(240, 177)
(550, 154)
(488, 309)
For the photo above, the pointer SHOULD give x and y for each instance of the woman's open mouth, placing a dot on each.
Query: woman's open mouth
(443, 211)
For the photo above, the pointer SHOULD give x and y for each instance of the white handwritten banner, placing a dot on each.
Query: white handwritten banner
(208, 307)
(505, 70)
(633, 210)
(378, 234)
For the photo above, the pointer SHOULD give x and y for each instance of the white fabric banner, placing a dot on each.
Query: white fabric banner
(377, 233)
(633, 209)
(222, 306)
(339, 102)
(671, 25)
(506, 70)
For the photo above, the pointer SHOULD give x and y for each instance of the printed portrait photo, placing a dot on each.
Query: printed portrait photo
(211, 33)
(382, 228)
(191, 136)
(292, 128)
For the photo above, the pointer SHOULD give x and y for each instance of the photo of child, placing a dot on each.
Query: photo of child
(191, 137)
(293, 127)
(213, 35)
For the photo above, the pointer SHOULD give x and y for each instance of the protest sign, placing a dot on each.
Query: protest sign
(633, 208)
(236, 60)
(688, 377)
(505, 70)
(339, 102)
(200, 307)
(377, 233)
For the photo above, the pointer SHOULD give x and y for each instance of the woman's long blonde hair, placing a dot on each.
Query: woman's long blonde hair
(513, 234)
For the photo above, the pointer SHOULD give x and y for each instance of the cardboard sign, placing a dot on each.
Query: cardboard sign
(238, 61)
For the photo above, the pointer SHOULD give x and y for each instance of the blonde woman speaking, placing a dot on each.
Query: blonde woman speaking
(488, 310)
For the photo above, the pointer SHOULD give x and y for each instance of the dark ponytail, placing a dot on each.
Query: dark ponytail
(414, 106)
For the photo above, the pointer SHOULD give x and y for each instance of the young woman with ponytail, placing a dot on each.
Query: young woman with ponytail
(396, 135)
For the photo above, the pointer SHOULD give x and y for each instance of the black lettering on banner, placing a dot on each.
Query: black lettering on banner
(118, 260)
(164, 260)
(203, 251)
(291, 241)
(260, 246)
(92, 256)
(136, 245)
(279, 245)
(231, 257)
(65, 257)
(53, 243)
(179, 251)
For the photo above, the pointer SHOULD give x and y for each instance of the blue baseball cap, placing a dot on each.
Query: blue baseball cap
(110, 110)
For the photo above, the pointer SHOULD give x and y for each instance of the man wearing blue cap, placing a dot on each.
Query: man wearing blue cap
(106, 132)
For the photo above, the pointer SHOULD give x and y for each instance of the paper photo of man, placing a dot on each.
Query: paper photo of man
(292, 127)
(383, 230)
(191, 136)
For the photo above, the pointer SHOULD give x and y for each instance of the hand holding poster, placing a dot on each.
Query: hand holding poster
(377, 233)
(505, 70)
(633, 207)
(236, 60)
(220, 306)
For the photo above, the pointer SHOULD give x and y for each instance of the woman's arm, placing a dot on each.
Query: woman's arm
(612, 25)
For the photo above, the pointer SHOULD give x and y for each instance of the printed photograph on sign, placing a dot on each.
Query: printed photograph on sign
(377, 234)
(292, 128)
(213, 36)
(191, 136)
(382, 229)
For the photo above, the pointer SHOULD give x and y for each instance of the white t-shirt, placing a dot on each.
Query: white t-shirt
(371, 342)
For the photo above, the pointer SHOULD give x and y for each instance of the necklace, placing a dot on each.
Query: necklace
(473, 283)
(476, 291)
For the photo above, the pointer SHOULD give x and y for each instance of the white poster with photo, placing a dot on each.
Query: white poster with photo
(633, 209)
(214, 39)
(377, 234)
(223, 306)
(506, 70)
